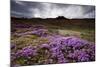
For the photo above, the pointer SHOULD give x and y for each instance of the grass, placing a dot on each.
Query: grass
(86, 33)
(80, 29)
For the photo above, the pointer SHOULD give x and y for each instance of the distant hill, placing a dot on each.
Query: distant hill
(58, 21)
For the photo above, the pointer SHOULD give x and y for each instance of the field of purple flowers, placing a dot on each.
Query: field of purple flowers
(37, 44)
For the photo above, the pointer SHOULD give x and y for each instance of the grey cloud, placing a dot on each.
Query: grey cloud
(51, 10)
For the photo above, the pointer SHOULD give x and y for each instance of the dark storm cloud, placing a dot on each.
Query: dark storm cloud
(24, 9)
(50, 10)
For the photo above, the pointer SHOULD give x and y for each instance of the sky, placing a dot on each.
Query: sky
(50, 10)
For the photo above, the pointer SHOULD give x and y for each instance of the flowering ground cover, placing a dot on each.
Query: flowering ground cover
(40, 44)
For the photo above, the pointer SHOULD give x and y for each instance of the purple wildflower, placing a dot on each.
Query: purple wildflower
(26, 52)
(60, 50)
